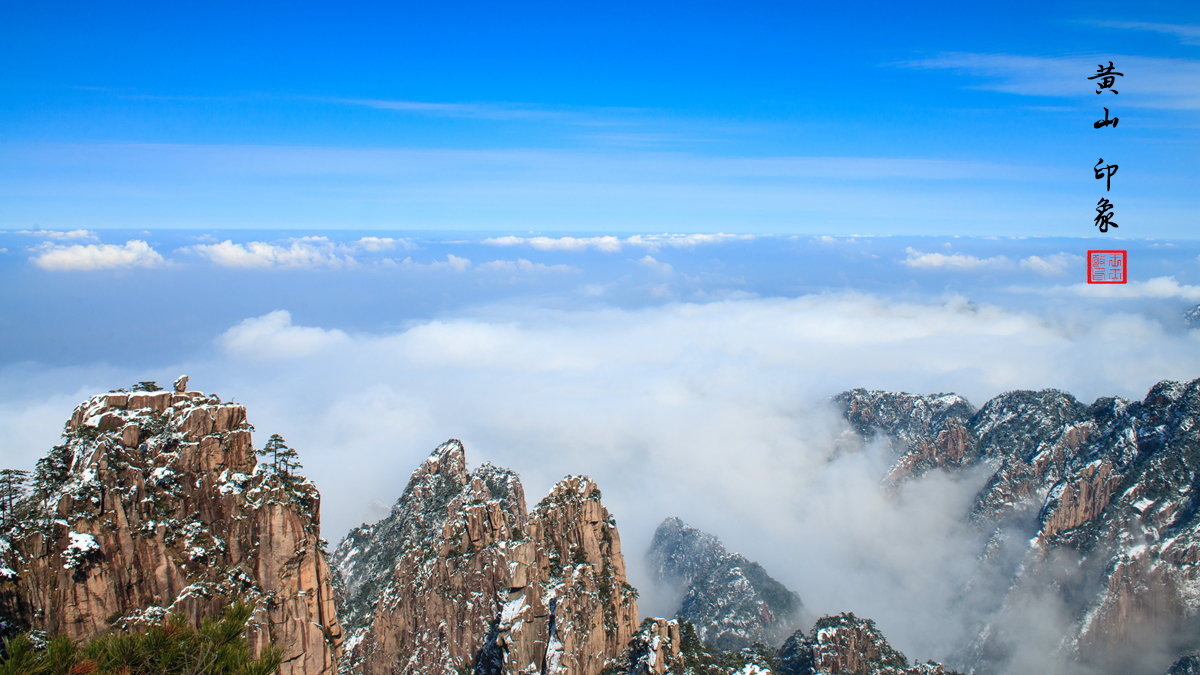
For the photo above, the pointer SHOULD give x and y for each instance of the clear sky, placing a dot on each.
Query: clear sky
(816, 118)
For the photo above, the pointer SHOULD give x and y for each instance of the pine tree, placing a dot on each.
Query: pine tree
(284, 460)
(52, 471)
(12, 489)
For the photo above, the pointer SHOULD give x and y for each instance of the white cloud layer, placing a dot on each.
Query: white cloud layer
(59, 235)
(80, 257)
(610, 244)
(604, 244)
(713, 412)
(379, 244)
(651, 264)
(953, 261)
(301, 253)
(1158, 287)
(272, 336)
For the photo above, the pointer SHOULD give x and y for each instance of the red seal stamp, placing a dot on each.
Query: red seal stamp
(1106, 267)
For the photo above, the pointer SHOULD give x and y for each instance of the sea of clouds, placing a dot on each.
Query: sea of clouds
(716, 411)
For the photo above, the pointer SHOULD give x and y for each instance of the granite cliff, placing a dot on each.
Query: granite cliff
(461, 578)
(1092, 510)
(154, 504)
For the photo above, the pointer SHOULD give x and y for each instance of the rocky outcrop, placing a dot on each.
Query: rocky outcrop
(1186, 665)
(672, 646)
(460, 577)
(731, 601)
(656, 649)
(155, 504)
(842, 644)
(1191, 318)
(930, 431)
(848, 645)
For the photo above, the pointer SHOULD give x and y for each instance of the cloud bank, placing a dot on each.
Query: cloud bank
(714, 412)
(610, 244)
(89, 257)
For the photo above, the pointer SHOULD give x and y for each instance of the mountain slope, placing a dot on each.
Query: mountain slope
(1099, 505)
(731, 601)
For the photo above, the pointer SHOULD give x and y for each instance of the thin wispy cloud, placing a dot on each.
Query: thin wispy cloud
(523, 265)
(1187, 34)
(91, 257)
(452, 262)
(655, 266)
(59, 235)
(1148, 82)
(686, 241)
(487, 111)
(612, 244)
(1052, 265)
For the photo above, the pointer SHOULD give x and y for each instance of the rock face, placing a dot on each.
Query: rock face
(931, 430)
(848, 645)
(461, 578)
(672, 646)
(155, 504)
(843, 644)
(1094, 515)
(731, 601)
(1191, 318)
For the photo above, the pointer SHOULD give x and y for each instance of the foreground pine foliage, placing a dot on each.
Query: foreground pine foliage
(172, 648)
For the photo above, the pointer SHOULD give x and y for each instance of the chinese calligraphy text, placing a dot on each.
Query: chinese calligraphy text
(1108, 77)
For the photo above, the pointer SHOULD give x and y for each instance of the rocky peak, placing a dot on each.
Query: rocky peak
(732, 602)
(366, 551)
(1110, 487)
(1018, 424)
(929, 431)
(848, 645)
(461, 577)
(155, 503)
(1191, 318)
(843, 644)
(682, 553)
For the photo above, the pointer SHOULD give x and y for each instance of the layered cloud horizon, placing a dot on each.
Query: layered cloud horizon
(689, 374)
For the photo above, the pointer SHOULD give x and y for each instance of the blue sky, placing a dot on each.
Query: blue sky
(763, 118)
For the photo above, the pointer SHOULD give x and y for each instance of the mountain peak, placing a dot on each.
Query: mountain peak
(731, 601)
(154, 504)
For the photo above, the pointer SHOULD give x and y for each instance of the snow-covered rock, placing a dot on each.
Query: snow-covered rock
(152, 505)
(732, 602)
(461, 577)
